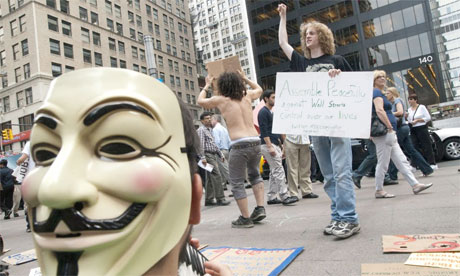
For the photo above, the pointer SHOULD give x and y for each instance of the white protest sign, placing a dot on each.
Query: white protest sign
(318, 105)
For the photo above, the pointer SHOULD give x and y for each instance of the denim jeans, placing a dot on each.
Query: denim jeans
(368, 162)
(335, 158)
(404, 141)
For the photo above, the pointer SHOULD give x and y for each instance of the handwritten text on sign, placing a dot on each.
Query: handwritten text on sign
(316, 104)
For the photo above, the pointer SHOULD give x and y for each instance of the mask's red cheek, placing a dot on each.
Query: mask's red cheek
(150, 180)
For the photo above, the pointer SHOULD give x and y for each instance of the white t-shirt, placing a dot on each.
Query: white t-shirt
(30, 161)
(419, 113)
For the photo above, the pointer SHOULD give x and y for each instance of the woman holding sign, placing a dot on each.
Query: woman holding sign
(387, 145)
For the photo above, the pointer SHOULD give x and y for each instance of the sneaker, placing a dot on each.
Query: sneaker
(290, 200)
(7, 214)
(310, 195)
(357, 181)
(434, 167)
(242, 222)
(331, 226)
(421, 187)
(258, 214)
(346, 229)
(273, 201)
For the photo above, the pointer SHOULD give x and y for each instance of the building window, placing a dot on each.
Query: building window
(5, 80)
(158, 44)
(20, 99)
(51, 3)
(113, 62)
(2, 34)
(94, 18)
(192, 85)
(130, 17)
(138, 21)
(121, 47)
(29, 96)
(55, 47)
(143, 70)
(140, 37)
(26, 122)
(65, 6)
(68, 50)
(26, 71)
(108, 7)
(134, 53)
(112, 44)
(132, 33)
(14, 27)
(155, 14)
(142, 54)
(93, 3)
(171, 80)
(83, 14)
(25, 47)
(22, 23)
(69, 68)
(150, 26)
(53, 23)
(160, 61)
(98, 59)
(110, 24)
(16, 51)
(66, 28)
(178, 82)
(17, 74)
(117, 11)
(85, 35)
(56, 69)
(136, 67)
(6, 104)
(120, 28)
(87, 56)
(122, 63)
(96, 39)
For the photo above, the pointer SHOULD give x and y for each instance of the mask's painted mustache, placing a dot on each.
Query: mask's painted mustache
(77, 221)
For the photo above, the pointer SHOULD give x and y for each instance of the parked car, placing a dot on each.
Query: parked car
(446, 143)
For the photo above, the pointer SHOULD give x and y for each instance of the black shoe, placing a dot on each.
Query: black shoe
(258, 214)
(357, 181)
(211, 202)
(225, 188)
(248, 186)
(313, 180)
(274, 201)
(7, 214)
(16, 215)
(310, 195)
(242, 222)
(390, 182)
(346, 229)
(222, 202)
(230, 195)
(290, 200)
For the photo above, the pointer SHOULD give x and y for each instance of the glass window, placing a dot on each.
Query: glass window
(130, 17)
(98, 59)
(415, 50)
(419, 15)
(425, 45)
(66, 28)
(112, 44)
(22, 23)
(392, 52)
(85, 35)
(136, 67)
(56, 69)
(120, 29)
(110, 24)
(397, 19)
(29, 96)
(25, 47)
(53, 23)
(132, 33)
(55, 47)
(83, 14)
(117, 10)
(6, 104)
(121, 47)
(134, 52)
(51, 3)
(138, 20)
(26, 122)
(387, 27)
(68, 50)
(18, 74)
(94, 18)
(108, 7)
(96, 39)
(122, 63)
(26, 70)
(65, 6)
(409, 17)
(403, 49)
(86, 56)
(113, 62)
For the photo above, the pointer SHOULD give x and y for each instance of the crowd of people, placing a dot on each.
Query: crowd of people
(406, 130)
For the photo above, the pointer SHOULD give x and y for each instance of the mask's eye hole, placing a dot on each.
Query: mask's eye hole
(44, 155)
(118, 149)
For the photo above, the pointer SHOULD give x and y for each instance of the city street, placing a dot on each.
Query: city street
(435, 211)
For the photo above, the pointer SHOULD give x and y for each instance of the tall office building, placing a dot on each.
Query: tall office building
(446, 18)
(220, 30)
(392, 35)
(41, 39)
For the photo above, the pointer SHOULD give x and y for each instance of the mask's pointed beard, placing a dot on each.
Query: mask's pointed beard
(67, 263)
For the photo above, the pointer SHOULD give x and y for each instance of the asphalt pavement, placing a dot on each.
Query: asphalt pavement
(436, 210)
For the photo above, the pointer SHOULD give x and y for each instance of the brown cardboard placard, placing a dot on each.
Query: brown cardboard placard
(396, 269)
(449, 260)
(421, 243)
(215, 68)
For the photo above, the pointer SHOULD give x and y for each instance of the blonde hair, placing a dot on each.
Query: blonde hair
(393, 91)
(378, 73)
(325, 38)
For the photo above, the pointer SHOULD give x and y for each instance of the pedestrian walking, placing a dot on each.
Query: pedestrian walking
(7, 181)
(333, 153)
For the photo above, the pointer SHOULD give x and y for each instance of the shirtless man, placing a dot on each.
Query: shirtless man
(234, 102)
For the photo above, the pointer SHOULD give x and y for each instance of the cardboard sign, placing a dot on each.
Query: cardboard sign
(215, 68)
(35, 272)
(318, 105)
(253, 261)
(21, 258)
(444, 260)
(393, 269)
(421, 243)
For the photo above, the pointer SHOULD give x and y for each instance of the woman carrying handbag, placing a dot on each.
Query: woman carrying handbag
(387, 145)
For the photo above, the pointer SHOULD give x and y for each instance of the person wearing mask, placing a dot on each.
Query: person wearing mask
(387, 146)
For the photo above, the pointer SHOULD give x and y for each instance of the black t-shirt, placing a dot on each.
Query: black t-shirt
(320, 64)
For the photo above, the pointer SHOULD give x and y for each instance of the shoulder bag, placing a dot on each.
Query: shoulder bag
(377, 127)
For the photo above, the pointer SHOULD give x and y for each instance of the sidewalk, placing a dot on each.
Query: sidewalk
(436, 210)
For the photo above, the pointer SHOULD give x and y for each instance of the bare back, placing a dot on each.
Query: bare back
(238, 116)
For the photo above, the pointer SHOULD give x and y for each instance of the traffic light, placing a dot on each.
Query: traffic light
(7, 134)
